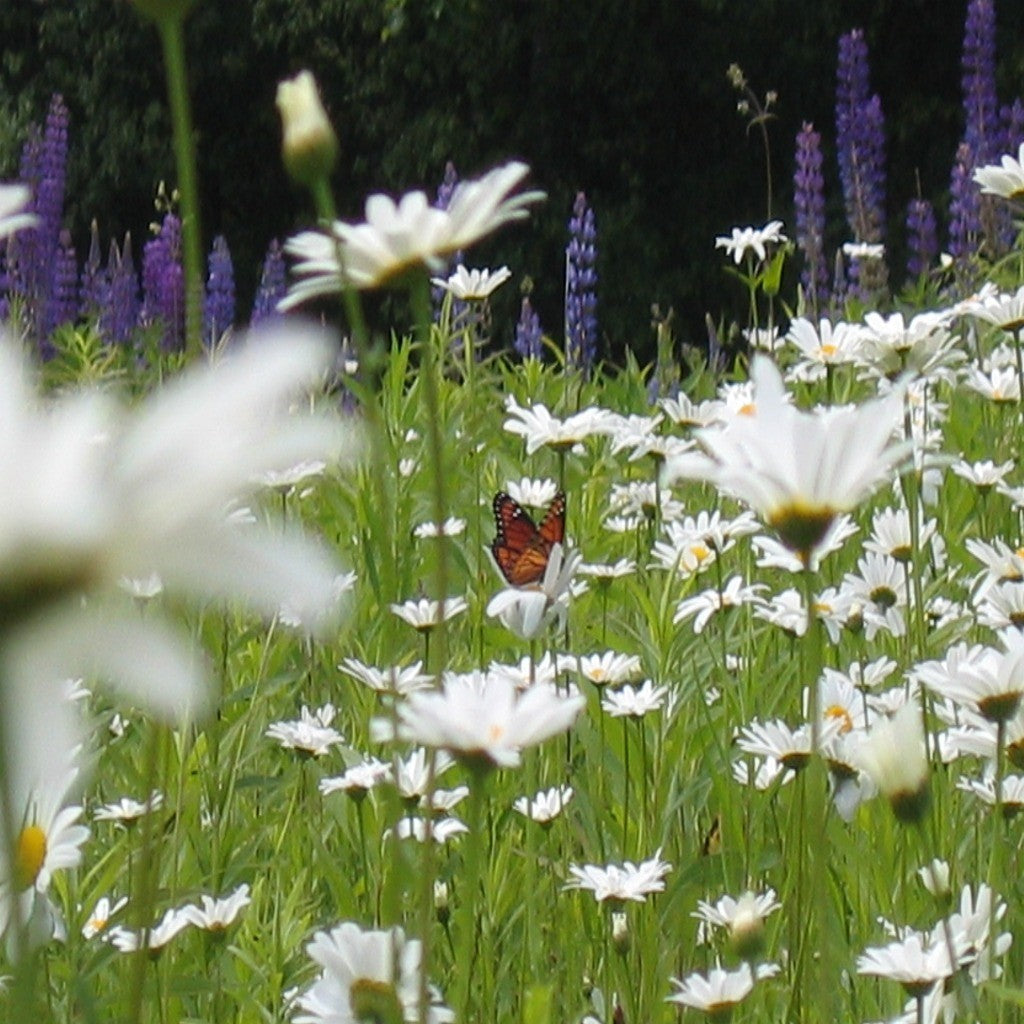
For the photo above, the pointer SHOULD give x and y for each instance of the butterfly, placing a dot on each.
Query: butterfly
(522, 548)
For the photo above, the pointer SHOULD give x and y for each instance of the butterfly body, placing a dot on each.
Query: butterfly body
(521, 547)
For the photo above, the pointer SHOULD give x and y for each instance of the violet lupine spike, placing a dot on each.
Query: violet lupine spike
(63, 305)
(272, 287)
(94, 285)
(982, 130)
(219, 304)
(122, 312)
(860, 148)
(527, 341)
(163, 283)
(922, 238)
(1012, 118)
(580, 286)
(443, 198)
(809, 203)
(964, 206)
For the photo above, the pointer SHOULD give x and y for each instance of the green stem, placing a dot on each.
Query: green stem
(472, 848)
(172, 39)
(419, 297)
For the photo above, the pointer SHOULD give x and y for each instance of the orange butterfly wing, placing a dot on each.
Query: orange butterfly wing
(521, 548)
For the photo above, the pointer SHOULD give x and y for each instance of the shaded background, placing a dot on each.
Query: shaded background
(625, 99)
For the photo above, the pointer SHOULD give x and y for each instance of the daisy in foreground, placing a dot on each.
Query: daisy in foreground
(403, 236)
(797, 470)
(371, 975)
(483, 720)
(618, 883)
(94, 493)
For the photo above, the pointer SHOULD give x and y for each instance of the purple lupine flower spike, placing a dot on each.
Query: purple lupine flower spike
(122, 312)
(809, 202)
(163, 283)
(860, 134)
(219, 304)
(922, 240)
(272, 287)
(94, 286)
(63, 305)
(580, 286)
(528, 333)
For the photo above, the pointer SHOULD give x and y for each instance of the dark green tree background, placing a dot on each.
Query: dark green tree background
(625, 99)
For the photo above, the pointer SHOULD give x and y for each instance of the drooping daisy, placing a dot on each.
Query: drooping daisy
(127, 810)
(358, 779)
(528, 671)
(425, 615)
(913, 961)
(743, 918)
(472, 285)
(482, 720)
(546, 805)
(414, 773)
(154, 939)
(719, 991)
(984, 475)
(702, 606)
(366, 975)
(894, 756)
(621, 883)
(800, 470)
(532, 492)
(217, 915)
(539, 428)
(634, 702)
(437, 830)
(400, 679)
(451, 527)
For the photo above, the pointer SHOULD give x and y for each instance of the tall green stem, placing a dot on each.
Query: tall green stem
(172, 39)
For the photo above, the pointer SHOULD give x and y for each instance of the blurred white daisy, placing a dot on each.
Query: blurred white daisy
(174, 921)
(634, 702)
(102, 914)
(1005, 179)
(398, 679)
(13, 200)
(539, 428)
(398, 237)
(756, 241)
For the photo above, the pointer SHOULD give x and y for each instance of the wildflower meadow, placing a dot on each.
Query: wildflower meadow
(434, 669)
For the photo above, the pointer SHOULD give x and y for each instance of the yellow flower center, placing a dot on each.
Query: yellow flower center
(828, 350)
(747, 409)
(495, 732)
(837, 711)
(29, 855)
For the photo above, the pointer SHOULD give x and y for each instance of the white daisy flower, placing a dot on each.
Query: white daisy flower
(621, 883)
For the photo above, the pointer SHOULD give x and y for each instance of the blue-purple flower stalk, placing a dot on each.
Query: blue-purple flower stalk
(528, 333)
(922, 240)
(978, 221)
(94, 285)
(580, 287)
(219, 304)
(860, 148)
(163, 284)
(35, 258)
(809, 203)
(121, 315)
(272, 287)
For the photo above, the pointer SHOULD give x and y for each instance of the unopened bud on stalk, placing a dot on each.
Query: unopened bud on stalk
(309, 147)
